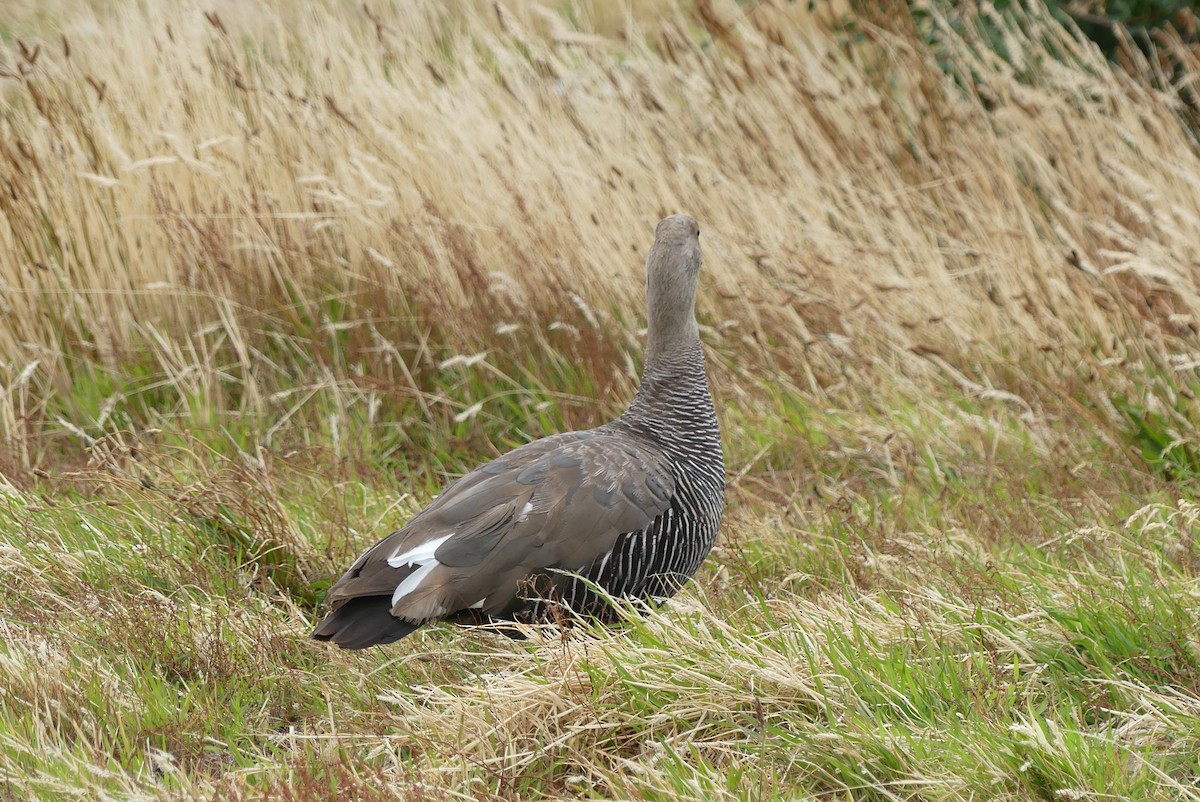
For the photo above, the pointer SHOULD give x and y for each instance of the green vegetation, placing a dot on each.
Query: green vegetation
(271, 274)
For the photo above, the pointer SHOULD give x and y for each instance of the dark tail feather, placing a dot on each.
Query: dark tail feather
(362, 622)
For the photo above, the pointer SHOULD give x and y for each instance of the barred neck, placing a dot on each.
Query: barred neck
(673, 406)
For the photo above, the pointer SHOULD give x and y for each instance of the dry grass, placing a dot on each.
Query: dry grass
(270, 272)
(224, 204)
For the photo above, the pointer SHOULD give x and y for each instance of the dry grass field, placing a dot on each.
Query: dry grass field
(272, 272)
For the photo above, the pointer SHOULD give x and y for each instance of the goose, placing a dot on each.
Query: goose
(631, 507)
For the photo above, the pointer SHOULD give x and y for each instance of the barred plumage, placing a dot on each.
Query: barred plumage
(632, 506)
(675, 412)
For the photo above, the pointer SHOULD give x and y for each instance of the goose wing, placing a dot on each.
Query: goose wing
(559, 502)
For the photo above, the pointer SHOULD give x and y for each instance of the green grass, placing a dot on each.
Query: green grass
(914, 597)
(881, 640)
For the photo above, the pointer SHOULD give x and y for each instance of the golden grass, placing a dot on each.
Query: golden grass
(179, 180)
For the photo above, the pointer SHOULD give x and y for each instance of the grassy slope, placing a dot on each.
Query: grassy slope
(950, 302)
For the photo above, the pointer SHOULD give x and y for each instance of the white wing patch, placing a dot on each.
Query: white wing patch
(524, 513)
(413, 580)
(477, 605)
(420, 556)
